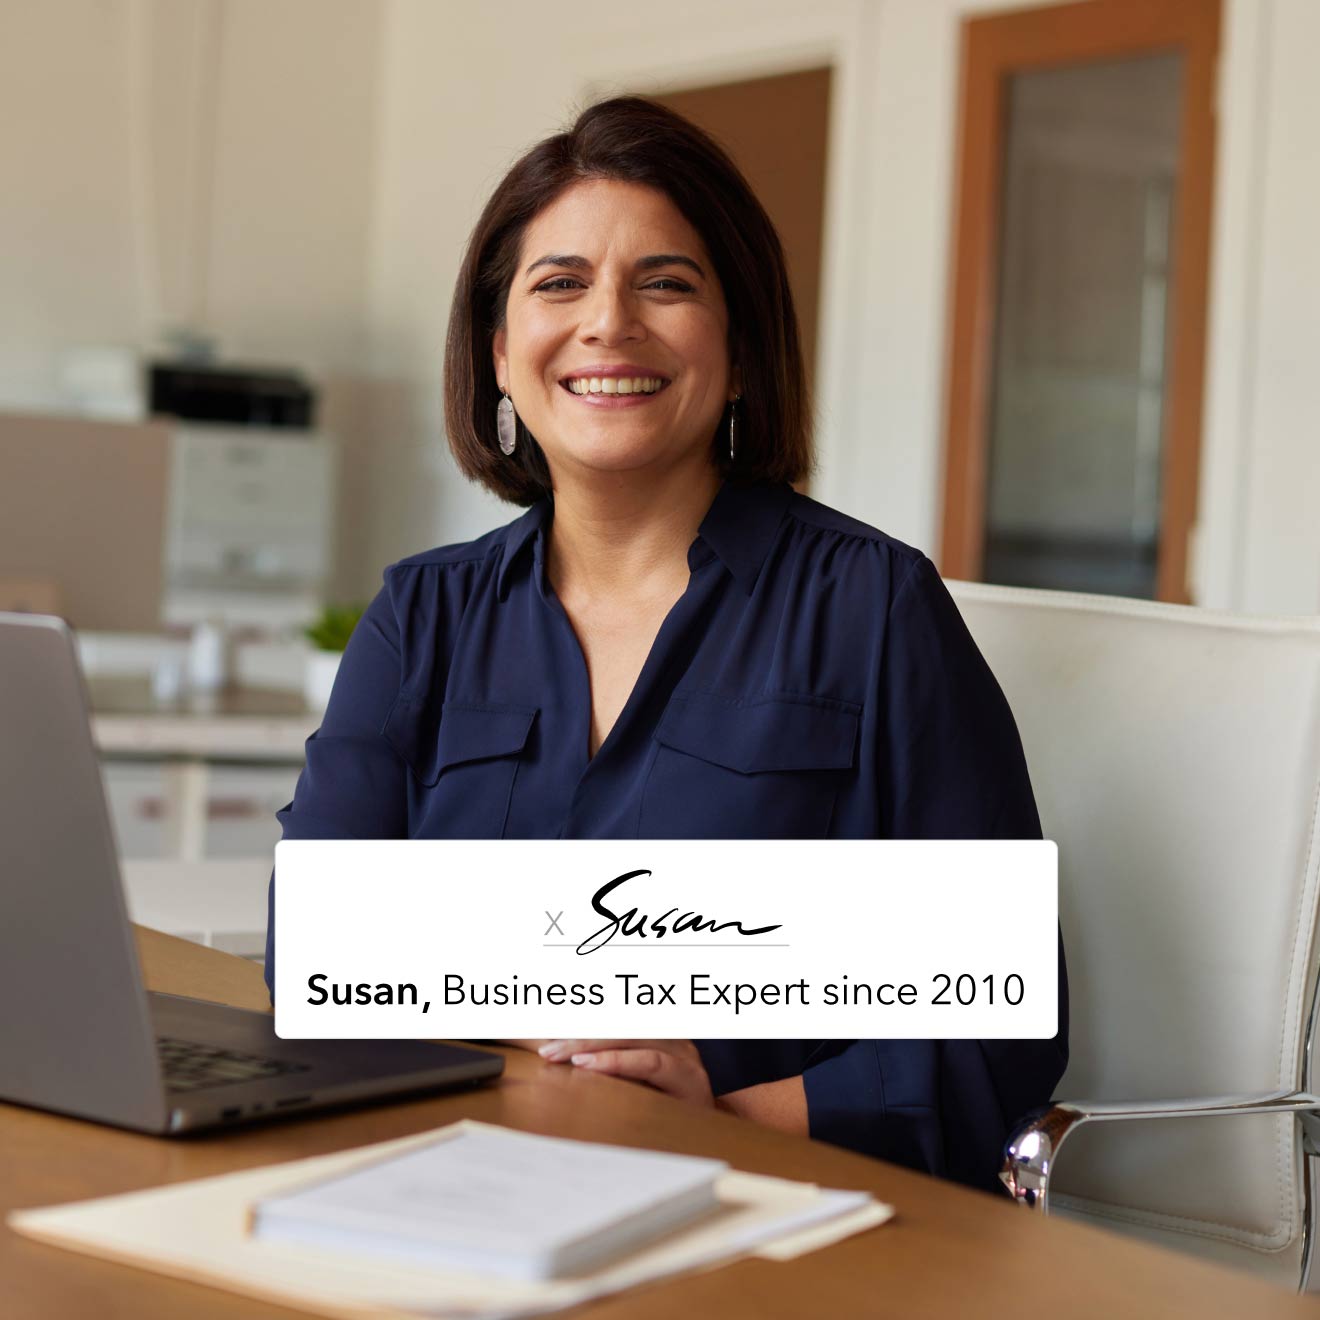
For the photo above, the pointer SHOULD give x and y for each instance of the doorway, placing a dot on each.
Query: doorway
(1079, 292)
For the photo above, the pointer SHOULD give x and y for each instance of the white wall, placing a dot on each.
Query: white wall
(295, 148)
(198, 163)
(168, 162)
(319, 214)
(68, 258)
(1275, 561)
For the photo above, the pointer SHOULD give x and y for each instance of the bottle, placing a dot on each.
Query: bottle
(208, 656)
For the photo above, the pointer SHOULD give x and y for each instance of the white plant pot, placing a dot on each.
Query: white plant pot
(319, 678)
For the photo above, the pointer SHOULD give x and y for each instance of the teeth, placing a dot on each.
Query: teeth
(615, 384)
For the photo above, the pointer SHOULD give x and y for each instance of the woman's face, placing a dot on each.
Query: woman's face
(614, 348)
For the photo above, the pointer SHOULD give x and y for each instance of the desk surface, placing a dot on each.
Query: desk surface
(950, 1252)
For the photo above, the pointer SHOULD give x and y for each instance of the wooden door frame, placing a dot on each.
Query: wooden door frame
(994, 48)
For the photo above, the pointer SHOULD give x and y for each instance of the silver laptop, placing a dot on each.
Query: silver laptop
(78, 1033)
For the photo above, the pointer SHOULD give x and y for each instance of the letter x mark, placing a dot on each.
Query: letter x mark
(554, 926)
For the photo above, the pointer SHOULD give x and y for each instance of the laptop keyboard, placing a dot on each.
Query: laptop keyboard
(188, 1065)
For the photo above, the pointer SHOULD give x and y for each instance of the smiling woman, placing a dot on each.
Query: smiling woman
(634, 230)
(671, 642)
(625, 290)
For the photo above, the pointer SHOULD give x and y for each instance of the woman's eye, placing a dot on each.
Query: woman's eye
(566, 283)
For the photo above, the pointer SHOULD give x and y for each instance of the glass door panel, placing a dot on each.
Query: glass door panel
(1077, 399)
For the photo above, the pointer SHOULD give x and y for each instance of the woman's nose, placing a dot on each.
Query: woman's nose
(610, 315)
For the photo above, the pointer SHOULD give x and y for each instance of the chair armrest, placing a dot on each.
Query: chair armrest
(1031, 1151)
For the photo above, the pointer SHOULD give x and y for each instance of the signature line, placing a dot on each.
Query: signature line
(692, 945)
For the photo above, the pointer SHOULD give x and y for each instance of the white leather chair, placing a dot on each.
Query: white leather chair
(1175, 756)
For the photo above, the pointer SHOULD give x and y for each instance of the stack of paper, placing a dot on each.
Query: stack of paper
(201, 1231)
(497, 1201)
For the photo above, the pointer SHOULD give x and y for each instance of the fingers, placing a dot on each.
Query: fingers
(562, 1051)
(671, 1066)
(645, 1065)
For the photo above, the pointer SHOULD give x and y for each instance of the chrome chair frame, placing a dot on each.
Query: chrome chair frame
(1032, 1150)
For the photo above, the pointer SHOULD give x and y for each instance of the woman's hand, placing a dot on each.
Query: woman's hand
(671, 1066)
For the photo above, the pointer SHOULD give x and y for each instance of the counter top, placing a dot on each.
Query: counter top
(236, 723)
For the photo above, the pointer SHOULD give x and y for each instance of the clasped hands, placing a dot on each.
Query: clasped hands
(671, 1066)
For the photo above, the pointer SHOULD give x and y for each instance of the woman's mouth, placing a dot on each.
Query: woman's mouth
(614, 388)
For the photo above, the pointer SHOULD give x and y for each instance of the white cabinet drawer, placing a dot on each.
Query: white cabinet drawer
(239, 805)
(139, 806)
(240, 809)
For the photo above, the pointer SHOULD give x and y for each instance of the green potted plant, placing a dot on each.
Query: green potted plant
(328, 634)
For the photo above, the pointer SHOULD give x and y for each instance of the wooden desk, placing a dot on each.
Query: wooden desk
(950, 1252)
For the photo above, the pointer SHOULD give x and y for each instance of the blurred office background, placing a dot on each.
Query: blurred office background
(1057, 267)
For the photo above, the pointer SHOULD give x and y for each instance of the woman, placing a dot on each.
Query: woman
(671, 642)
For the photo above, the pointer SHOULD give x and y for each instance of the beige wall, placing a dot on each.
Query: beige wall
(355, 141)
(101, 560)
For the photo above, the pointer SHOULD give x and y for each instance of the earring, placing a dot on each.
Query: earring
(506, 424)
(733, 425)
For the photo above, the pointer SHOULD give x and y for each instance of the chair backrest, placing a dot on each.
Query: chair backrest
(1175, 757)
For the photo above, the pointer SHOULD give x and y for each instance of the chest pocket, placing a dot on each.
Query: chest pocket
(766, 767)
(463, 765)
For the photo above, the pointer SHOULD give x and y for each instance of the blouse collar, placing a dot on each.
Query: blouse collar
(740, 528)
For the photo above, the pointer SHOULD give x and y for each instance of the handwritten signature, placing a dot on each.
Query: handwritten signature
(633, 922)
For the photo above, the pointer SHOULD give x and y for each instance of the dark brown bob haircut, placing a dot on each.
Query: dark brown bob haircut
(634, 140)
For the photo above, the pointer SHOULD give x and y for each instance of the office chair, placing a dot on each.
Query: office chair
(1175, 756)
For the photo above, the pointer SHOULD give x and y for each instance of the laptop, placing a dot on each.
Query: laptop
(78, 1033)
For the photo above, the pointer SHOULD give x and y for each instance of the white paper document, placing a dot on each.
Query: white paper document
(500, 1202)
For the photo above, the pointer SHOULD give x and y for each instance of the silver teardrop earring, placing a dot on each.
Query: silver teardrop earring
(733, 425)
(506, 425)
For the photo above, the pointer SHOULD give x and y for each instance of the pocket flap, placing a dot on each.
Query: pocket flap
(465, 731)
(762, 733)
(472, 732)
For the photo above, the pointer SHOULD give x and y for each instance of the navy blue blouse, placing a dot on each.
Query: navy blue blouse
(815, 680)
